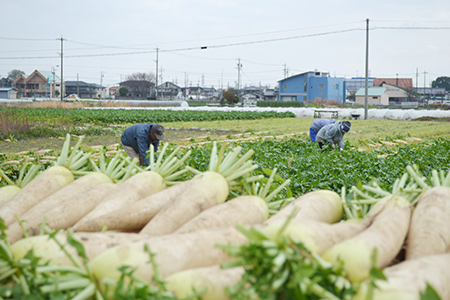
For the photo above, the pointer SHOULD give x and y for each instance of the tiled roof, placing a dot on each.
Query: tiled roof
(405, 83)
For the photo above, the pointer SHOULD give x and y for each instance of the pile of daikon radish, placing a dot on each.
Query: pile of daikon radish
(110, 230)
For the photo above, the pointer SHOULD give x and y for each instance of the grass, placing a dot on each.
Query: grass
(20, 134)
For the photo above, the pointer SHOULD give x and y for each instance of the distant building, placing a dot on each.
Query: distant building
(310, 86)
(8, 93)
(5, 82)
(387, 95)
(405, 83)
(353, 84)
(38, 84)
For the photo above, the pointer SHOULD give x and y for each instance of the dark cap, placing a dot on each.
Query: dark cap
(158, 130)
(345, 126)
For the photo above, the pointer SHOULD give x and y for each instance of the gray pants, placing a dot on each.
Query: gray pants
(133, 154)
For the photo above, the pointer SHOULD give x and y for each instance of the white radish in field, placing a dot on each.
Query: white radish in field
(386, 235)
(429, 230)
(48, 249)
(248, 209)
(203, 191)
(25, 176)
(317, 236)
(149, 181)
(245, 210)
(321, 205)
(408, 279)
(32, 219)
(213, 280)
(45, 183)
(173, 253)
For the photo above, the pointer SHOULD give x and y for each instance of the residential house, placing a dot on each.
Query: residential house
(8, 93)
(310, 86)
(376, 95)
(139, 89)
(353, 84)
(270, 94)
(38, 84)
(387, 95)
(168, 90)
(405, 83)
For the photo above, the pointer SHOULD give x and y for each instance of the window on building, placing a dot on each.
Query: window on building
(321, 86)
(284, 86)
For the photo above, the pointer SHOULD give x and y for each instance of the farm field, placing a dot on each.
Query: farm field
(268, 162)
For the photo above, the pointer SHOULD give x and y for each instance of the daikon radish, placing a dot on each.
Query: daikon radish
(25, 176)
(48, 249)
(245, 210)
(206, 190)
(35, 215)
(317, 236)
(429, 230)
(248, 209)
(386, 234)
(45, 183)
(138, 186)
(212, 280)
(408, 279)
(173, 253)
(321, 205)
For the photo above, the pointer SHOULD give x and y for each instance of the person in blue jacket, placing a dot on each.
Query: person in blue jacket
(136, 140)
(316, 125)
(333, 134)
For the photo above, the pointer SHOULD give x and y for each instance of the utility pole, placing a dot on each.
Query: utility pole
(78, 86)
(62, 65)
(156, 77)
(367, 72)
(101, 84)
(425, 82)
(286, 71)
(239, 66)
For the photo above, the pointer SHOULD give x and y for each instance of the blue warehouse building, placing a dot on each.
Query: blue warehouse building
(310, 86)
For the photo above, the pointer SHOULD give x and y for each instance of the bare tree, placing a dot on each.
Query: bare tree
(140, 84)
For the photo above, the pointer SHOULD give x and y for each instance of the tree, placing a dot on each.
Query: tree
(442, 82)
(13, 74)
(123, 91)
(231, 97)
(140, 83)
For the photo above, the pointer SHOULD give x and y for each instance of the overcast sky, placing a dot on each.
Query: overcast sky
(107, 40)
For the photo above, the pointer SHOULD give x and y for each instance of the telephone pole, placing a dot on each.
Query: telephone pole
(366, 97)
(62, 65)
(156, 77)
(239, 66)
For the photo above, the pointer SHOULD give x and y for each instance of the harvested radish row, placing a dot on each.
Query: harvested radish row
(204, 191)
(429, 230)
(408, 279)
(317, 236)
(322, 205)
(48, 249)
(138, 186)
(245, 210)
(8, 191)
(32, 219)
(173, 253)
(45, 183)
(213, 280)
(386, 235)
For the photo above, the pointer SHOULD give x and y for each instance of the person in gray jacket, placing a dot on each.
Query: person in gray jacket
(316, 125)
(136, 140)
(333, 134)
